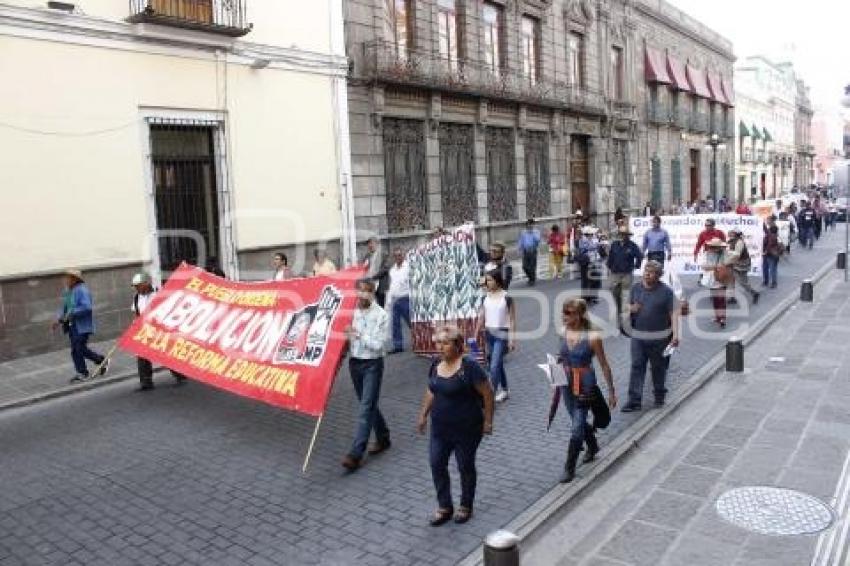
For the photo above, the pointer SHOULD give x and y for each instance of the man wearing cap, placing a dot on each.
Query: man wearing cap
(738, 260)
(709, 233)
(77, 321)
(656, 242)
(623, 258)
(529, 241)
(144, 295)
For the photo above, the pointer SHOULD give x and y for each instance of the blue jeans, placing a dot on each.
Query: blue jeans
(366, 375)
(80, 351)
(578, 411)
(401, 310)
(807, 237)
(464, 444)
(497, 345)
(769, 266)
(643, 352)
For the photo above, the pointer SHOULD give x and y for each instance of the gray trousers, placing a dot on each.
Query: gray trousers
(742, 280)
(620, 286)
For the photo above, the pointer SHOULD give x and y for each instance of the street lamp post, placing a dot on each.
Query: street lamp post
(715, 144)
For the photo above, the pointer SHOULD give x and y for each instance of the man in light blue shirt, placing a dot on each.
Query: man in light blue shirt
(656, 241)
(366, 337)
(529, 241)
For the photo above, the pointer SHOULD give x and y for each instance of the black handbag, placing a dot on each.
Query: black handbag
(599, 408)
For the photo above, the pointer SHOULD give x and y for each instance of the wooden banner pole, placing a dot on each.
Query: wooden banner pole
(312, 444)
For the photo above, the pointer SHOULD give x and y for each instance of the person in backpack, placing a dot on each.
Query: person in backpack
(806, 224)
(495, 261)
(739, 261)
(145, 293)
(581, 342)
(459, 400)
(772, 250)
(497, 318)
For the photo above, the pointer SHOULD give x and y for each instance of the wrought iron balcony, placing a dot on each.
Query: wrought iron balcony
(226, 17)
(387, 62)
(699, 123)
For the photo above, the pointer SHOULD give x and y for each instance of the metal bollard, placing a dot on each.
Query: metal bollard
(735, 355)
(841, 260)
(807, 291)
(501, 548)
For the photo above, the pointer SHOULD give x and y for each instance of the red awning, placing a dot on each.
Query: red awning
(677, 73)
(727, 92)
(696, 78)
(656, 70)
(715, 89)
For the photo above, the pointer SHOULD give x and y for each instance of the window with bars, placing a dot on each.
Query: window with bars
(492, 24)
(655, 182)
(676, 180)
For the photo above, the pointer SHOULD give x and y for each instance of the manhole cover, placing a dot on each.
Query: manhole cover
(774, 511)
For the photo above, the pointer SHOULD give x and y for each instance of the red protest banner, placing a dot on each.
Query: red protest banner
(280, 342)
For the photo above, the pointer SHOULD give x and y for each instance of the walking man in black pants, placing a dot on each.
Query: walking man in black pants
(655, 324)
(529, 241)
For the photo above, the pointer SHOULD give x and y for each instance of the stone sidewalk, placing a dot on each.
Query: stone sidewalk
(783, 422)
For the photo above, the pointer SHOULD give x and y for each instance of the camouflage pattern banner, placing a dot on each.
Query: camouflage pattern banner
(444, 286)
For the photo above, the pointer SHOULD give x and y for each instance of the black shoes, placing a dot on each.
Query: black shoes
(379, 447)
(630, 408)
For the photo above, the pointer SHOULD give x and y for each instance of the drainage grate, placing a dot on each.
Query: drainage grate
(774, 511)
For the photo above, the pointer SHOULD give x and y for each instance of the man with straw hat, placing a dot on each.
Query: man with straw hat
(623, 258)
(77, 321)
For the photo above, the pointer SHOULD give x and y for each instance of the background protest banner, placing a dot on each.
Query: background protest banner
(684, 232)
(277, 342)
(444, 286)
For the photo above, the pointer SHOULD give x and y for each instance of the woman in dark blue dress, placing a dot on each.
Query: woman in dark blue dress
(580, 344)
(460, 401)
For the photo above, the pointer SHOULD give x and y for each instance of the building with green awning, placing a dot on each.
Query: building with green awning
(744, 131)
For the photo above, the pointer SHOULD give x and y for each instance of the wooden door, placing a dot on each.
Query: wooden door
(579, 173)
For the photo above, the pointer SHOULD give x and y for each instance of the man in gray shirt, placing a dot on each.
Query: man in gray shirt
(655, 324)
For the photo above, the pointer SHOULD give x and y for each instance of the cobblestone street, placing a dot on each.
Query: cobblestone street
(193, 475)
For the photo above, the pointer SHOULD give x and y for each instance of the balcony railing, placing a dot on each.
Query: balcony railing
(384, 61)
(657, 113)
(226, 17)
(699, 123)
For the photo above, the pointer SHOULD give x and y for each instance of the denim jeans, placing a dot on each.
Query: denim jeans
(497, 345)
(529, 265)
(464, 444)
(807, 237)
(769, 267)
(578, 411)
(400, 311)
(80, 351)
(643, 352)
(366, 375)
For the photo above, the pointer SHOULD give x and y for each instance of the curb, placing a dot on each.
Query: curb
(94, 383)
(547, 507)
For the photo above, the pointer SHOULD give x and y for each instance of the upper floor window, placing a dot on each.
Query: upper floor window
(530, 47)
(617, 84)
(491, 32)
(448, 32)
(227, 18)
(575, 58)
(398, 25)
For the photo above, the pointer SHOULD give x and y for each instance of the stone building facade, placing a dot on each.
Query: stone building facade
(804, 170)
(497, 111)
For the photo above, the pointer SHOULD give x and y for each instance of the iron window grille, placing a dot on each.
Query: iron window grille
(226, 17)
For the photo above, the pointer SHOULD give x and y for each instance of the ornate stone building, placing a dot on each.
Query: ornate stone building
(804, 170)
(501, 110)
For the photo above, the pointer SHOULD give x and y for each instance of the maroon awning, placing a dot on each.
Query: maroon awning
(655, 69)
(677, 73)
(696, 78)
(727, 92)
(715, 89)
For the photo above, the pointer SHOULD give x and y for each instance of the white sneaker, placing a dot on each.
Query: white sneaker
(501, 395)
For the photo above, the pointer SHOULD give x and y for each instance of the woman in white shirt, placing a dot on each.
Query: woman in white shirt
(497, 318)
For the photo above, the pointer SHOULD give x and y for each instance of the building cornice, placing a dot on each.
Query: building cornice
(677, 26)
(52, 25)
